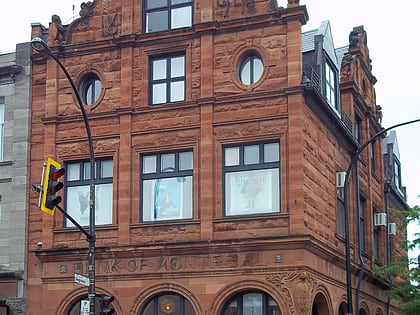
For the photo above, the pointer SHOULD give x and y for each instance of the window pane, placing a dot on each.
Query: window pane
(252, 192)
(251, 154)
(246, 72)
(97, 90)
(167, 199)
(78, 198)
(181, 17)
(232, 156)
(177, 67)
(149, 164)
(159, 93)
(258, 69)
(106, 168)
(271, 152)
(151, 4)
(86, 170)
(159, 69)
(157, 21)
(89, 94)
(167, 162)
(253, 304)
(73, 171)
(177, 91)
(179, 1)
(185, 161)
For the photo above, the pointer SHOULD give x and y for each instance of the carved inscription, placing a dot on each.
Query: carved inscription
(172, 263)
(244, 4)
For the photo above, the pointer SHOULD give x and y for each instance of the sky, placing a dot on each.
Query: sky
(392, 40)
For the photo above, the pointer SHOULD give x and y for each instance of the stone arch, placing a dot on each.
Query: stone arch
(226, 293)
(364, 309)
(378, 311)
(321, 304)
(144, 297)
(72, 297)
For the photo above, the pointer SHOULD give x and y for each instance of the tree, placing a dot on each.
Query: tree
(403, 274)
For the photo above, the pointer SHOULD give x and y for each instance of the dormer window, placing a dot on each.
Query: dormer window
(330, 85)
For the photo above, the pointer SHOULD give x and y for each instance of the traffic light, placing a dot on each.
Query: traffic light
(105, 304)
(50, 186)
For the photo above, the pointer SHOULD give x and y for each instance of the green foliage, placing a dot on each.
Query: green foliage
(405, 281)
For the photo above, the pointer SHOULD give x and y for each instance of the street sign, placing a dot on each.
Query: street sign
(84, 307)
(81, 279)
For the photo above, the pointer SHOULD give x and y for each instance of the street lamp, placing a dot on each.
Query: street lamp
(353, 162)
(40, 46)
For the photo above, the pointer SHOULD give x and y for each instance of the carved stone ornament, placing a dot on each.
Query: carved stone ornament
(86, 8)
(17, 305)
(296, 288)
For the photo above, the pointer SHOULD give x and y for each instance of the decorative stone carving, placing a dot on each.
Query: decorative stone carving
(347, 72)
(296, 288)
(86, 8)
(55, 31)
(17, 305)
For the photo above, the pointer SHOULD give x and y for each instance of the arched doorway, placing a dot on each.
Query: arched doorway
(320, 306)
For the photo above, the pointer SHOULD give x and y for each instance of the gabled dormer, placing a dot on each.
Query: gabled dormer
(321, 64)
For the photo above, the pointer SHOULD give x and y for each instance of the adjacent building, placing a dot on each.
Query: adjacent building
(15, 100)
(220, 133)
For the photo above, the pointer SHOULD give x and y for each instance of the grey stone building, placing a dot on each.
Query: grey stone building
(15, 92)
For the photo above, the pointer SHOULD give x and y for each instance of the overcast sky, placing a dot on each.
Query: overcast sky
(392, 33)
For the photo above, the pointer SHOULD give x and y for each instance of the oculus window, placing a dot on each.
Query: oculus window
(170, 303)
(77, 192)
(161, 15)
(167, 79)
(251, 68)
(167, 186)
(255, 303)
(90, 89)
(251, 179)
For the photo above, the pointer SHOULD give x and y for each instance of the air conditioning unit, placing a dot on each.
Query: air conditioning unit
(379, 219)
(392, 228)
(339, 179)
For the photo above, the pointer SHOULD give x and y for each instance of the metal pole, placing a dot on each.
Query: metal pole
(354, 160)
(39, 45)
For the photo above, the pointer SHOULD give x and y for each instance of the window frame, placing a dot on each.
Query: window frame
(250, 58)
(239, 297)
(84, 181)
(242, 168)
(153, 303)
(331, 84)
(184, 175)
(2, 122)
(88, 85)
(169, 8)
(168, 80)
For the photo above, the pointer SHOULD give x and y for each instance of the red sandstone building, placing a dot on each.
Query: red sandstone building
(218, 129)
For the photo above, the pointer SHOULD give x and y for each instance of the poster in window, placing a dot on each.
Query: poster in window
(78, 204)
(252, 192)
(167, 199)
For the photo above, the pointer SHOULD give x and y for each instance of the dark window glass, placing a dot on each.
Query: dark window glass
(170, 303)
(248, 303)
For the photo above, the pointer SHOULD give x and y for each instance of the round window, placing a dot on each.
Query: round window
(251, 68)
(90, 89)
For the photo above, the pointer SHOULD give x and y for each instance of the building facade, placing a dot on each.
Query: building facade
(218, 130)
(15, 98)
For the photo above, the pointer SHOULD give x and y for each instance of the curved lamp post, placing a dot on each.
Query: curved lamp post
(353, 162)
(40, 46)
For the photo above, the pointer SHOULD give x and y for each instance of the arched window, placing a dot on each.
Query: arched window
(251, 68)
(255, 303)
(168, 303)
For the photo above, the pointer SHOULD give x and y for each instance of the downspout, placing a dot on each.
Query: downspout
(359, 247)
